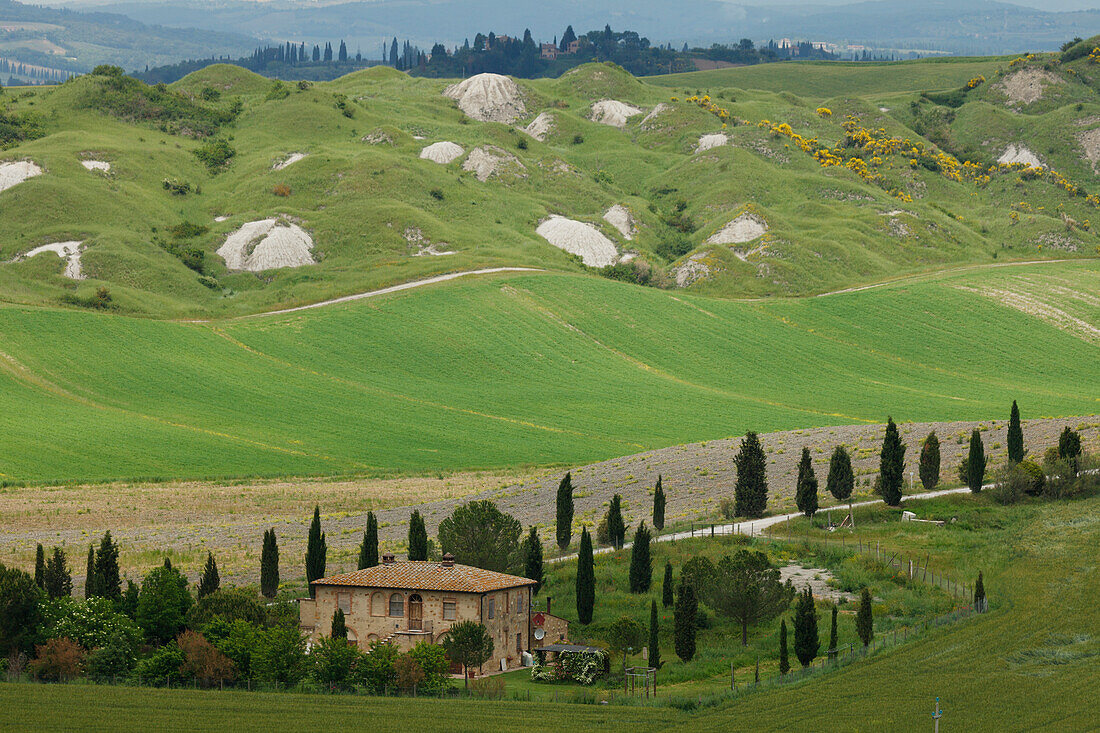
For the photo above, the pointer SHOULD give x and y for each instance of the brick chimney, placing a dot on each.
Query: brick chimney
(387, 558)
(448, 560)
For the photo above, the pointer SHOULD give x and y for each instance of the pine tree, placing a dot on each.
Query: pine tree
(832, 635)
(565, 511)
(56, 579)
(108, 579)
(1015, 436)
(269, 565)
(784, 659)
(659, 505)
(806, 643)
(930, 462)
(979, 594)
(806, 487)
(666, 586)
(586, 579)
(368, 551)
(975, 462)
(40, 566)
(91, 587)
(751, 489)
(316, 551)
(683, 621)
(532, 559)
(865, 623)
(210, 580)
(654, 636)
(418, 537)
(891, 465)
(641, 567)
(616, 528)
(339, 626)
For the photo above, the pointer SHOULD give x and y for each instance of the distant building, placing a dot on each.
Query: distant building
(574, 47)
(550, 51)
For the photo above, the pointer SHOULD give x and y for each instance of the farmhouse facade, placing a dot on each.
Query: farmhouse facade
(404, 603)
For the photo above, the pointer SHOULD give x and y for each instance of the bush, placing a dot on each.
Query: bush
(375, 670)
(1010, 484)
(177, 187)
(111, 661)
(279, 656)
(728, 508)
(522, 143)
(203, 661)
(489, 688)
(578, 139)
(58, 660)
(435, 666)
(215, 154)
(634, 271)
(229, 604)
(333, 660)
(234, 639)
(210, 94)
(674, 245)
(407, 672)
(1035, 475)
(92, 623)
(277, 90)
(281, 189)
(436, 194)
(162, 667)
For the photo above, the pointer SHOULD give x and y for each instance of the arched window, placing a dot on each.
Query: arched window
(397, 605)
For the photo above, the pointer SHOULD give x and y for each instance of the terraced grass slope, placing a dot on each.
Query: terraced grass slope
(529, 368)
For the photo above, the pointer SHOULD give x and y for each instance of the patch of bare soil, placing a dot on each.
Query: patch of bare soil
(1089, 140)
(1026, 86)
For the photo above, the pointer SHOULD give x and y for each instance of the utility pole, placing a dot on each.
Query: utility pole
(937, 715)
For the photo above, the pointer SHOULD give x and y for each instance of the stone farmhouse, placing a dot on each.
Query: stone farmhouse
(404, 603)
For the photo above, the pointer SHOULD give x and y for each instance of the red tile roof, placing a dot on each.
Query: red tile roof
(421, 575)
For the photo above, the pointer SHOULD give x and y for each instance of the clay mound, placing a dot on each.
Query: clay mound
(488, 98)
(267, 244)
(1090, 146)
(1013, 154)
(706, 142)
(490, 160)
(1026, 85)
(693, 270)
(68, 251)
(619, 217)
(541, 127)
(578, 238)
(12, 174)
(442, 152)
(744, 228)
(652, 116)
(288, 161)
(612, 112)
(96, 165)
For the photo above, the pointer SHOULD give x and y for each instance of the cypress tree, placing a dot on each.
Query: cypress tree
(892, 464)
(532, 559)
(91, 589)
(784, 660)
(40, 566)
(683, 621)
(930, 462)
(368, 551)
(865, 622)
(586, 579)
(841, 480)
(616, 528)
(979, 594)
(751, 490)
(806, 487)
(666, 586)
(339, 627)
(108, 579)
(806, 643)
(1069, 448)
(975, 462)
(418, 537)
(316, 551)
(641, 567)
(654, 636)
(269, 565)
(56, 579)
(659, 505)
(1015, 436)
(564, 531)
(210, 580)
(832, 635)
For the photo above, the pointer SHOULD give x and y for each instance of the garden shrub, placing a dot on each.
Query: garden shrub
(162, 667)
(279, 656)
(375, 670)
(332, 660)
(58, 660)
(435, 666)
(91, 623)
(489, 688)
(202, 660)
(113, 660)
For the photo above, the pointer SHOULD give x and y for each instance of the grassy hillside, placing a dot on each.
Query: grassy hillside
(529, 368)
(368, 201)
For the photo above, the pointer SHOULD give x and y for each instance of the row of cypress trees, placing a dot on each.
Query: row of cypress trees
(616, 528)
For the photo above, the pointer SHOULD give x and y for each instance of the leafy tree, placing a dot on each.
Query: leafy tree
(865, 623)
(979, 594)
(162, 666)
(56, 579)
(641, 566)
(91, 589)
(316, 551)
(469, 644)
(659, 505)
(891, 465)
(332, 660)
(433, 662)
(418, 537)
(806, 643)
(228, 604)
(113, 660)
(40, 566)
(269, 565)
(479, 534)
(1069, 448)
(532, 558)
(666, 586)
(339, 627)
(203, 661)
(565, 511)
(683, 621)
(58, 660)
(368, 551)
(130, 600)
(806, 487)
(751, 490)
(20, 610)
(586, 579)
(91, 622)
(616, 528)
(163, 604)
(210, 580)
(930, 462)
(623, 635)
(566, 38)
(784, 660)
(832, 635)
(1015, 435)
(654, 636)
(744, 587)
(975, 462)
(108, 579)
(279, 656)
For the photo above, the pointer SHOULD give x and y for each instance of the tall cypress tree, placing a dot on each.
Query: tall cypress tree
(532, 559)
(1015, 436)
(930, 462)
(586, 579)
(616, 528)
(641, 567)
(892, 465)
(210, 580)
(418, 537)
(269, 565)
(784, 659)
(806, 487)
(108, 579)
(659, 505)
(841, 480)
(91, 587)
(40, 566)
(1069, 448)
(979, 594)
(683, 621)
(339, 625)
(806, 643)
(865, 623)
(751, 489)
(832, 635)
(316, 551)
(56, 579)
(368, 551)
(666, 586)
(564, 529)
(975, 462)
(654, 636)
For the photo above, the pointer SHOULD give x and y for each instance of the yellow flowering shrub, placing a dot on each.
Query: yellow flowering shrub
(824, 112)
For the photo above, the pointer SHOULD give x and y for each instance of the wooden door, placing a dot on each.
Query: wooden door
(416, 612)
